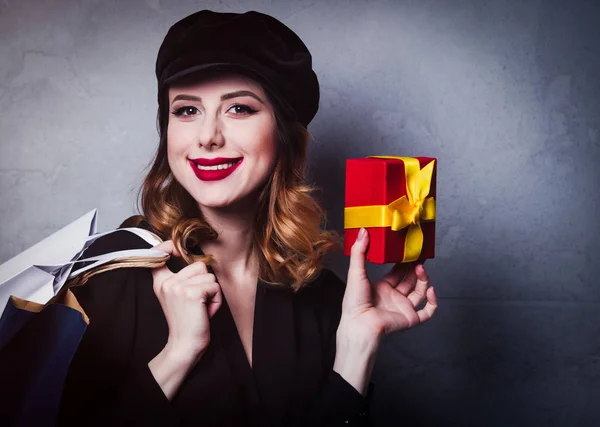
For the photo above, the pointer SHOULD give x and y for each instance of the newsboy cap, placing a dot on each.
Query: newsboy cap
(252, 43)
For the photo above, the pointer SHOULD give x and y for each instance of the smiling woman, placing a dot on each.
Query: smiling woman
(227, 118)
(243, 326)
(215, 118)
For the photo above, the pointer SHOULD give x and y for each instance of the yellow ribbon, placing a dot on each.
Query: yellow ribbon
(403, 212)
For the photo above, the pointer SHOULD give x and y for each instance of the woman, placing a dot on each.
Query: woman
(243, 326)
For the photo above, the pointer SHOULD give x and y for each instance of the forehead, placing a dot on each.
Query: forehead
(216, 84)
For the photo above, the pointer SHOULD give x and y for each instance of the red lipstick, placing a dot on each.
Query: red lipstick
(214, 174)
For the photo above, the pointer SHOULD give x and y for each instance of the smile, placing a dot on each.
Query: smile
(217, 167)
(214, 169)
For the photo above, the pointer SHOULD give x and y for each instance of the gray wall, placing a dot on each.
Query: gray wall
(505, 93)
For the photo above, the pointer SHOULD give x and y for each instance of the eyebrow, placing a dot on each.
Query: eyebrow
(224, 97)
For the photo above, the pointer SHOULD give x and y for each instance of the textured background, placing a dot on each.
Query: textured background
(505, 93)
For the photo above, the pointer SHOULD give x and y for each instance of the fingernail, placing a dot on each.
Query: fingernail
(361, 234)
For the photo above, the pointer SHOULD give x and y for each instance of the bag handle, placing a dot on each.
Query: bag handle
(134, 258)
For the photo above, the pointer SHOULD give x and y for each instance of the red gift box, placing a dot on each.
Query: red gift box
(379, 184)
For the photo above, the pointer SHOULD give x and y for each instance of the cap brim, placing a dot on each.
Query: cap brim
(225, 66)
(236, 68)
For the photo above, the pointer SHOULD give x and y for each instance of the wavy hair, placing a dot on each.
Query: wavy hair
(288, 235)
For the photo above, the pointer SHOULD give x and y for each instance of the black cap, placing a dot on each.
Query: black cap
(252, 43)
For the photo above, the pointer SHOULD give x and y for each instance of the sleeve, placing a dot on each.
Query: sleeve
(102, 387)
(338, 403)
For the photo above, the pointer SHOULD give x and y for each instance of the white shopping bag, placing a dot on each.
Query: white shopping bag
(38, 273)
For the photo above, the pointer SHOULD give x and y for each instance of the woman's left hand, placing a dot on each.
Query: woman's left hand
(371, 311)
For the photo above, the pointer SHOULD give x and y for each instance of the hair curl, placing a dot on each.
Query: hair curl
(288, 235)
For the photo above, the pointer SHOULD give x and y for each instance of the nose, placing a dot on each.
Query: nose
(210, 135)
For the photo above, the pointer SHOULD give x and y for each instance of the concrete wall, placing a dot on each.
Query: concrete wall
(505, 93)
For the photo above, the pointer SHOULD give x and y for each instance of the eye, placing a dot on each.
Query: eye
(241, 109)
(186, 111)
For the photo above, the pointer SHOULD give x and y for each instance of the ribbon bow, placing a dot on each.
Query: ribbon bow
(407, 211)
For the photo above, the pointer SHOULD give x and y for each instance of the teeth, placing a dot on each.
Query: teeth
(216, 167)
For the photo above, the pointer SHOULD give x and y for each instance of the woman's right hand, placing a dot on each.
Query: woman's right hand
(188, 299)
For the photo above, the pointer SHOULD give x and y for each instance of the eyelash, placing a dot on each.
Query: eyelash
(181, 111)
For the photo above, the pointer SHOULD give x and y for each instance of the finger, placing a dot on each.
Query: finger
(391, 279)
(209, 294)
(198, 280)
(169, 247)
(159, 276)
(395, 275)
(194, 269)
(213, 307)
(215, 301)
(164, 277)
(417, 296)
(357, 274)
(203, 292)
(408, 283)
(357, 255)
(428, 311)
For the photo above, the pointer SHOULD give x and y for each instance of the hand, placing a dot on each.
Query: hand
(389, 305)
(188, 299)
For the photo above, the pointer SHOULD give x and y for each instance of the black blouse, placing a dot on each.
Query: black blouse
(290, 383)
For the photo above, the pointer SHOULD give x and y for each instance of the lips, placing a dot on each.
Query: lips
(214, 169)
(216, 161)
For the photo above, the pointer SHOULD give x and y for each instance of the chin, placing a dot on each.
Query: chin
(213, 205)
(241, 201)
(212, 202)
(216, 201)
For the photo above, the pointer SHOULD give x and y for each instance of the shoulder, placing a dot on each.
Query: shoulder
(115, 287)
(118, 240)
(326, 290)
(328, 284)
(322, 298)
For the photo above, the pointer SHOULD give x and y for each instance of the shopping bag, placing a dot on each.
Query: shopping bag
(42, 323)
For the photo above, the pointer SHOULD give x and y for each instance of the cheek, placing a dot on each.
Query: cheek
(266, 148)
(264, 155)
(272, 150)
(177, 139)
(176, 150)
(272, 155)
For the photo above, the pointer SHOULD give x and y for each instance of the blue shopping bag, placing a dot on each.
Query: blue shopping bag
(37, 344)
(38, 341)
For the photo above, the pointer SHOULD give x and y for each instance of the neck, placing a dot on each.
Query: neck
(233, 250)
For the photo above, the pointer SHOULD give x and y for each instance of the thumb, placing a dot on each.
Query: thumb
(162, 273)
(357, 270)
(357, 273)
(169, 247)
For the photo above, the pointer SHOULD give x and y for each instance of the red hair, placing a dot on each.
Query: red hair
(288, 235)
